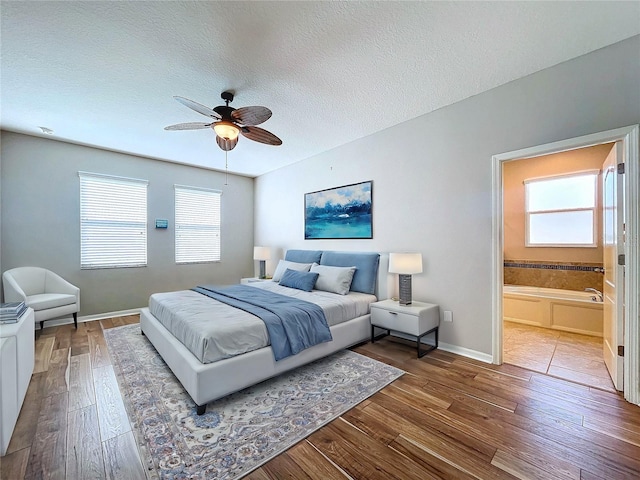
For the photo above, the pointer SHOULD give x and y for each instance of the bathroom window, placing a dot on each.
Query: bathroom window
(561, 210)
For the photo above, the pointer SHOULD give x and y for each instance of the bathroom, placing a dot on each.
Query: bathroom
(552, 298)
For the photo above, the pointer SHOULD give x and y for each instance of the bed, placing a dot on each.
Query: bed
(206, 382)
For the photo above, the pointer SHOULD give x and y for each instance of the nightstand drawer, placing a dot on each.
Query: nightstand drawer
(424, 319)
(400, 322)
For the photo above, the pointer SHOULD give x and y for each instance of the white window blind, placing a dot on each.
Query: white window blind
(113, 221)
(197, 225)
(561, 211)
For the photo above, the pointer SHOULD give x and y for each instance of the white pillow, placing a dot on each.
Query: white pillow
(284, 264)
(333, 279)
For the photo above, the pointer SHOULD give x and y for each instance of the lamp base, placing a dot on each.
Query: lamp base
(262, 269)
(404, 284)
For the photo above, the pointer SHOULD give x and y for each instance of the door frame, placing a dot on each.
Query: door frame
(628, 136)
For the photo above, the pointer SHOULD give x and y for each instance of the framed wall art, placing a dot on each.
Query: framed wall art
(341, 212)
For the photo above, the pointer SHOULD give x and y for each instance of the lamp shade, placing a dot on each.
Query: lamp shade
(226, 130)
(261, 253)
(405, 263)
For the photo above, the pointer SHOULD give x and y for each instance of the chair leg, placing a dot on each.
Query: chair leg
(75, 319)
(41, 324)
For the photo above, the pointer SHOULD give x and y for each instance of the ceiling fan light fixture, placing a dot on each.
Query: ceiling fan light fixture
(225, 129)
(230, 122)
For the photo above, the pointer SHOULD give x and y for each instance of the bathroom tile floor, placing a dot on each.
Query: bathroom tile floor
(561, 354)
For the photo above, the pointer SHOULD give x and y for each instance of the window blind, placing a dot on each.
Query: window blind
(197, 224)
(113, 221)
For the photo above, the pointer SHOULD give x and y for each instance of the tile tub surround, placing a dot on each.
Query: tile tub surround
(570, 356)
(566, 276)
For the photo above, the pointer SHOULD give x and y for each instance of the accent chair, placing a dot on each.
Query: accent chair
(50, 295)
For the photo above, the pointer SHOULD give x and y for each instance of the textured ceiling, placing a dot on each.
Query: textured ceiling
(104, 73)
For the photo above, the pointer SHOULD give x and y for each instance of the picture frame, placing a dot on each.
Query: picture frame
(339, 213)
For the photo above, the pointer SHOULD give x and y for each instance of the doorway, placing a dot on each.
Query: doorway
(553, 271)
(628, 340)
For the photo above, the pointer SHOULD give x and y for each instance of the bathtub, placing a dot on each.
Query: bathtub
(566, 310)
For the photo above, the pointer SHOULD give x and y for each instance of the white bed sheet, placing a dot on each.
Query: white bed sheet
(212, 330)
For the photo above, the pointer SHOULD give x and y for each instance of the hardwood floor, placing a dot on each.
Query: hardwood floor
(447, 417)
(73, 423)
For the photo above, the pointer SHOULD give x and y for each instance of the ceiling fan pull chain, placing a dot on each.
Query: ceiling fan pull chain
(226, 168)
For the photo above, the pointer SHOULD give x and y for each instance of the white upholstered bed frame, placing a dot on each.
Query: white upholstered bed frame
(206, 382)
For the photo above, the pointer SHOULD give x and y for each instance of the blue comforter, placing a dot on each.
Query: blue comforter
(292, 324)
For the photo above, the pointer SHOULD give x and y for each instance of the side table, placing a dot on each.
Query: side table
(417, 319)
(17, 360)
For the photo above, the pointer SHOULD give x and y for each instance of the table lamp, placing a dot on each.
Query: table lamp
(405, 264)
(262, 254)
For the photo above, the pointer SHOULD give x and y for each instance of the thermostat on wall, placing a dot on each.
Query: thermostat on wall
(161, 223)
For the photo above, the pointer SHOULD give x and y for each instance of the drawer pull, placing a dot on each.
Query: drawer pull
(393, 313)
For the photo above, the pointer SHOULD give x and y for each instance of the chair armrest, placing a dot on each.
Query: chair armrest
(12, 291)
(54, 283)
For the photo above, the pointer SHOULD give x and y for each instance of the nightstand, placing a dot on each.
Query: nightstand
(245, 281)
(417, 319)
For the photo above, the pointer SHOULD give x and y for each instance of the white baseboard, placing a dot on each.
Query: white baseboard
(466, 352)
(88, 318)
(101, 316)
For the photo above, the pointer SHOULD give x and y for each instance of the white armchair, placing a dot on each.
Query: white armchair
(50, 295)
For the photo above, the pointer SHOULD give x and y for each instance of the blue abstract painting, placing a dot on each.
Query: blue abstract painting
(342, 212)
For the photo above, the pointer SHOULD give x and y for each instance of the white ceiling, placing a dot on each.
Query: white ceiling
(104, 73)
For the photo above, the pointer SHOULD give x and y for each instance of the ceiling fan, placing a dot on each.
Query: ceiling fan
(230, 122)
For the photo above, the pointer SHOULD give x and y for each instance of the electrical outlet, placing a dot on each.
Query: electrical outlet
(448, 316)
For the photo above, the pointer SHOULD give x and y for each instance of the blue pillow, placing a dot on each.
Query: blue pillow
(366, 263)
(303, 256)
(300, 280)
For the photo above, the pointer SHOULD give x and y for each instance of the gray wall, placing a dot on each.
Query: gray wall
(432, 177)
(41, 223)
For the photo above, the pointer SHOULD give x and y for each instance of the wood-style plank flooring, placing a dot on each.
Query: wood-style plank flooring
(447, 417)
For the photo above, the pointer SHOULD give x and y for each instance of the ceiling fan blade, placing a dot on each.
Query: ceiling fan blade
(258, 134)
(188, 126)
(251, 115)
(198, 108)
(226, 145)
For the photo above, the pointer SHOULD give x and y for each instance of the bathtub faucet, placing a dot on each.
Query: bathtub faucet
(599, 297)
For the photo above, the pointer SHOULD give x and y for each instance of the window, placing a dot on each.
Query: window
(561, 211)
(113, 221)
(197, 225)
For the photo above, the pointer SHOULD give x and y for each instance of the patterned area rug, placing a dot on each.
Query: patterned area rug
(240, 432)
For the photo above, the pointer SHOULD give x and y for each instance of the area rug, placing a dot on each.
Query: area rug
(240, 432)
